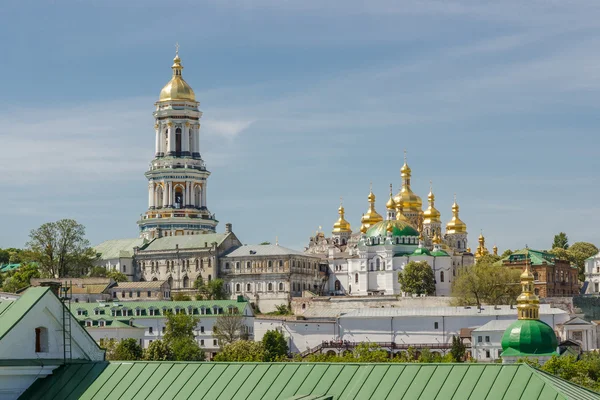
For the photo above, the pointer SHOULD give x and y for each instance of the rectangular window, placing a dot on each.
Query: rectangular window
(487, 339)
(163, 330)
(150, 330)
(114, 295)
(130, 294)
(201, 329)
(435, 325)
(479, 339)
(138, 293)
(123, 294)
(215, 342)
(202, 342)
(487, 354)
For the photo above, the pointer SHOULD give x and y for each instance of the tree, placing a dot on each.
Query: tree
(228, 328)
(562, 254)
(369, 352)
(128, 349)
(242, 351)
(98, 272)
(158, 350)
(417, 278)
(506, 253)
(20, 278)
(275, 344)
(488, 259)
(180, 297)
(458, 349)
(215, 289)
(264, 243)
(179, 337)
(117, 276)
(579, 251)
(4, 257)
(486, 284)
(60, 248)
(561, 241)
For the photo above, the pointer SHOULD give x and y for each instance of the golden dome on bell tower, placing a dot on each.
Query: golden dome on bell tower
(371, 217)
(177, 88)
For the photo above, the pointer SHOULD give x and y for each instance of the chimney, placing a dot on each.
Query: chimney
(54, 287)
(228, 228)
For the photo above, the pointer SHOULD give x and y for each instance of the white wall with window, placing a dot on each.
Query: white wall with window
(592, 275)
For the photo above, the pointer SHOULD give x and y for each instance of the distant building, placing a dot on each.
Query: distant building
(269, 275)
(552, 276)
(145, 321)
(592, 274)
(136, 291)
(368, 262)
(81, 290)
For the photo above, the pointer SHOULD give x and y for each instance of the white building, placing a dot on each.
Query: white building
(580, 331)
(269, 275)
(368, 263)
(146, 320)
(592, 274)
(486, 341)
(431, 327)
(32, 344)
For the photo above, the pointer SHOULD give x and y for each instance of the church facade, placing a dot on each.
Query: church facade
(368, 262)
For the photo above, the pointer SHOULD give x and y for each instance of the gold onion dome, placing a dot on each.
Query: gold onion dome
(456, 225)
(341, 224)
(409, 200)
(431, 214)
(391, 204)
(177, 88)
(371, 217)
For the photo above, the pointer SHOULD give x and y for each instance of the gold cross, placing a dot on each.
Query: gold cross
(176, 49)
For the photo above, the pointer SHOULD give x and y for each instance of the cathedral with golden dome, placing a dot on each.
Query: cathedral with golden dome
(367, 262)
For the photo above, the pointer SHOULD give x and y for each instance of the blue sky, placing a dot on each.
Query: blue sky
(304, 102)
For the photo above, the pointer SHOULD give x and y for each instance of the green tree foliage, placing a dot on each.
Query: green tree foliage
(98, 272)
(117, 276)
(275, 345)
(228, 329)
(128, 349)
(584, 372)
(264, 243)
(61, 249)
(561, 241)
(180, 297)
(158, 350)
(562, 254)
(579, 251)
(417, 278)
(488, 259)
(486, 284)
(506, 253)
(19, 279)
(281, 309)
(458, 349)
(213, 290)
(242, 351)
(4, 257)
(179, 337)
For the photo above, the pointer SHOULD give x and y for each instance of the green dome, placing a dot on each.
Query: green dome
(528, 337)
(440, 253)
(399, 228)
(421, 251)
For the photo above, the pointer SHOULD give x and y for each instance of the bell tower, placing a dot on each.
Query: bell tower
(177, 177)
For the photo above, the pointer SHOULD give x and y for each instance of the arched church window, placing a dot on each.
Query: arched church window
(281, 286)
(178, 198)
(237, 287)
(270, 287)
(377, 264)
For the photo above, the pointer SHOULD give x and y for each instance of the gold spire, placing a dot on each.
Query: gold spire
(341, 224)
(177, 88)
(410, 201)
(481, 249)
(431, 215)
(371, 217)
(495, 250)
(455, 225)
(528, 304)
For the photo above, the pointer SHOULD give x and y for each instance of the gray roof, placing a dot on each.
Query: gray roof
(139, 285)
(118, 248)
(442, 311)
(186, 241)
(258, 250)
(495, 325)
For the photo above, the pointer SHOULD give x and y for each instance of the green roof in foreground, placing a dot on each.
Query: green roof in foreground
(286, 381)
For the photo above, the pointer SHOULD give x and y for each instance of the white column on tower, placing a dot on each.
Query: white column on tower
(157, 134)
(171, 138)
(155, 196)
(165, 195)
(197, 138)
(150, 194)
(203, 203)
(192, 195)
(187, 194)
(170, 201)
(185, 141)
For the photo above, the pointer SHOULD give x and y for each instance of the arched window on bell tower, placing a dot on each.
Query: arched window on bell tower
(178, 140)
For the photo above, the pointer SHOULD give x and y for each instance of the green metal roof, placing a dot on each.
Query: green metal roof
(439, 253)
(12, 311)
(535, 257)
(421, 251)
(399, 228)
(105, 308)
(9, 267)
(118, 248)
(186, 241)
(287, 381)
